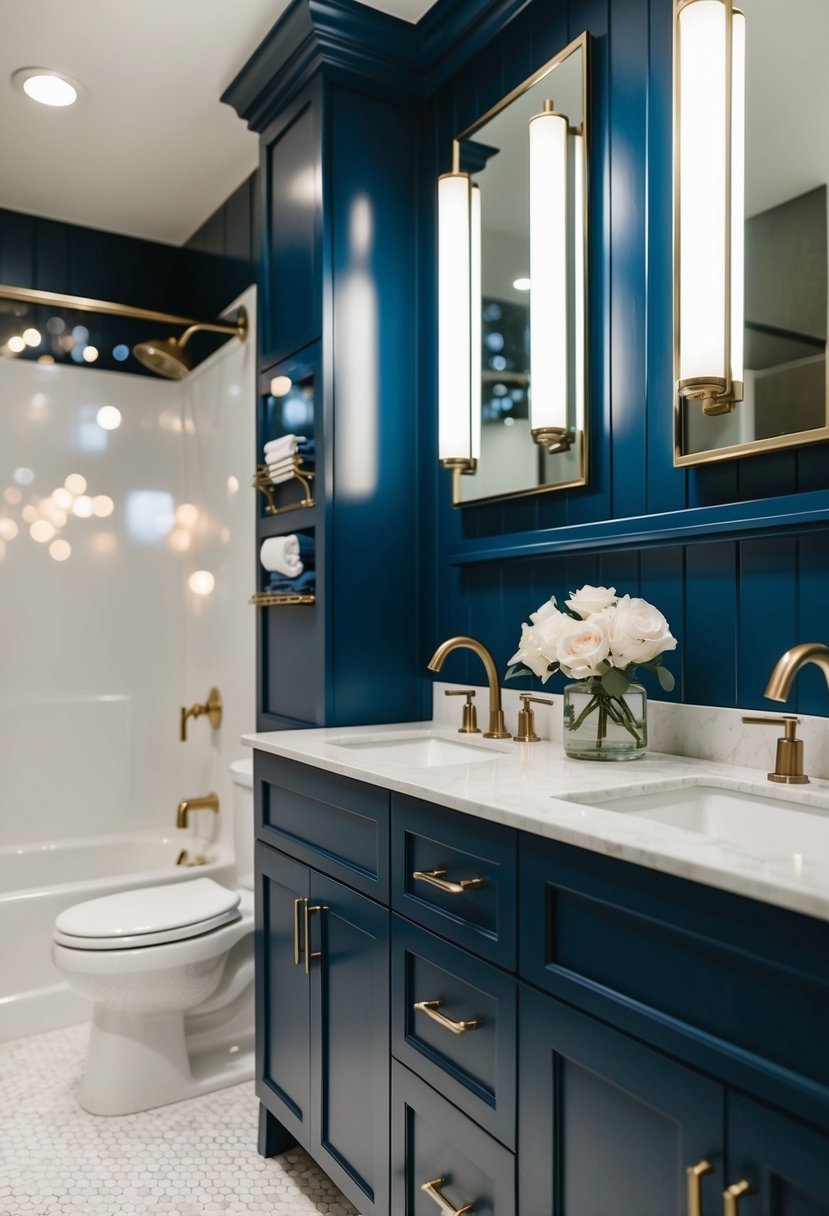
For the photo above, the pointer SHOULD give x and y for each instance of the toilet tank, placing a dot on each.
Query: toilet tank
(241, 774)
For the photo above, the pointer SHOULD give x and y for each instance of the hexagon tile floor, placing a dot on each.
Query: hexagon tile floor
(196, 1158)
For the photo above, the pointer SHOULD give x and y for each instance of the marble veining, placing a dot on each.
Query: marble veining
(526, 786)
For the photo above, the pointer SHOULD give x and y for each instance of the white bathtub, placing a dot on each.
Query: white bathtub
(37, 881)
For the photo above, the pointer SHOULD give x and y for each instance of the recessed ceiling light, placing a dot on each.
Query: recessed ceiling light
(48, 87)
(521, 284)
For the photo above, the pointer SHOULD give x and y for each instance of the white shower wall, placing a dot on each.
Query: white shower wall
(98, 651)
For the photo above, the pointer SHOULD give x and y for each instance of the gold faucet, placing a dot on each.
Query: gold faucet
(208, 802)
(497, 727)
(790, 663)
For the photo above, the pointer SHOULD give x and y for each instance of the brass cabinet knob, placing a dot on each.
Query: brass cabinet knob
(469, 723)
(433, 1190)
(432, 1010)
(694, 1175)
(436, 878)
(732, 1196)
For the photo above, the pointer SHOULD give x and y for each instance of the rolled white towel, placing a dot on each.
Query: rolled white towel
(280, 555)
(286, 445)
(282, 471)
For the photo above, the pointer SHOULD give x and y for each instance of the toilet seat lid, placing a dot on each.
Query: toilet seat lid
(148, 916)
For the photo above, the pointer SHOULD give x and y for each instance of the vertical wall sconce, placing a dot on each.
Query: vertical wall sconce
(709, 206)
(549, 337)
(459, 320)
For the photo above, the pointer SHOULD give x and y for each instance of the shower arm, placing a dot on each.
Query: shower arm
(239, 328)
(30, 295)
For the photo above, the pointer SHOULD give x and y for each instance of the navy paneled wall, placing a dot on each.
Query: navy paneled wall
(736, 604)
(230, 230)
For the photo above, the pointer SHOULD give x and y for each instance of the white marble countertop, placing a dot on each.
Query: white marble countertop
(526, 786)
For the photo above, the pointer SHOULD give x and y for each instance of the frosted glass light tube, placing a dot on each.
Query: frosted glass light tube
(579, 279)
(548, 271)
(454, 318)
(702, 191)
(738, 189)
(476, 311)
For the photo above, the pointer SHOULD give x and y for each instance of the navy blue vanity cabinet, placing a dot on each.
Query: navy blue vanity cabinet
(606, 1124)
(322, 962)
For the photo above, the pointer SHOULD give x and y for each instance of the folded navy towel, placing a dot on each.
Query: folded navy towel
(304, 585)
(306, 549)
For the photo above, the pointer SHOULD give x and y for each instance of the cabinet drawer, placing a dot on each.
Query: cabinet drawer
(456, 849)
(336, 825)
(433, 1142)
(473, 1067)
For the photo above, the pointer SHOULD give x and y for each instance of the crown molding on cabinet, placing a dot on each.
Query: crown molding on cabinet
(384, 53)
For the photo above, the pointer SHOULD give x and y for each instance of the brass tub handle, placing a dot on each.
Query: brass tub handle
(695, 1175)
(309, 953)
(297, 945)
(432, 1189)
(732, 1196)
(431, 1009)
(435, 879)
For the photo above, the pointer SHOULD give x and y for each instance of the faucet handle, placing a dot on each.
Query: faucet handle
(788, 768)
(526, 720)
(469, 723)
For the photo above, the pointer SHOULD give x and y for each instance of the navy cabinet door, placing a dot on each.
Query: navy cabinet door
(606, 1124)
(282, 996)
(785, 1163)
(350, 1042)
(290, 164)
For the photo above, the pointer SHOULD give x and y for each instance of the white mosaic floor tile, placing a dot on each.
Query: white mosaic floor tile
(196, 1158)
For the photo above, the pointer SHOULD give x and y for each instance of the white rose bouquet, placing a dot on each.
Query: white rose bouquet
(598, 637)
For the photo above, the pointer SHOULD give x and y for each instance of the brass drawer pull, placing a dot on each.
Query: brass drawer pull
(431, 1009)
(432, 1189)
(695, 1175)
(309, 953)
(297, 946)
(732, 1196)
(435, 879)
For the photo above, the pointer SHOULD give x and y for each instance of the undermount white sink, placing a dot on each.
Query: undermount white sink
(766, 826)
(425, 750)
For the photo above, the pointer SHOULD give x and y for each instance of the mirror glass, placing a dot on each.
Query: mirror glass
(495, 151)
(786, 286)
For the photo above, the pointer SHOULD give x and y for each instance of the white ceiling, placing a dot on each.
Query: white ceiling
(148, 150)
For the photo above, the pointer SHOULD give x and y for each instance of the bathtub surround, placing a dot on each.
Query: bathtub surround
(109, 642)
(196, 1158)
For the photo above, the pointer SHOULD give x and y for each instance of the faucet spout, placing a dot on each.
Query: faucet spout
(790, 663)
(208, 802)
(497, 726)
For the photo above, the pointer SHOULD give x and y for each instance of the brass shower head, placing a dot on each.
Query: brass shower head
(167, 356)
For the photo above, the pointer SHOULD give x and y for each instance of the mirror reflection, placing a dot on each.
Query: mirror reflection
(786, 284)
(496, 153)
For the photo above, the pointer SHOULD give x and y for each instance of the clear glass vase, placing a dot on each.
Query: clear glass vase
(598, 726)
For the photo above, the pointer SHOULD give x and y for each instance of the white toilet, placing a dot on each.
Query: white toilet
(169, 970)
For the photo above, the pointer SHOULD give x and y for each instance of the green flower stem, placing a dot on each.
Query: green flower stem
(615, 708)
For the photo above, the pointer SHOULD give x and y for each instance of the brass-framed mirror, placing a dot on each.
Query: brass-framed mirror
(523, 167)
(769, 168)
